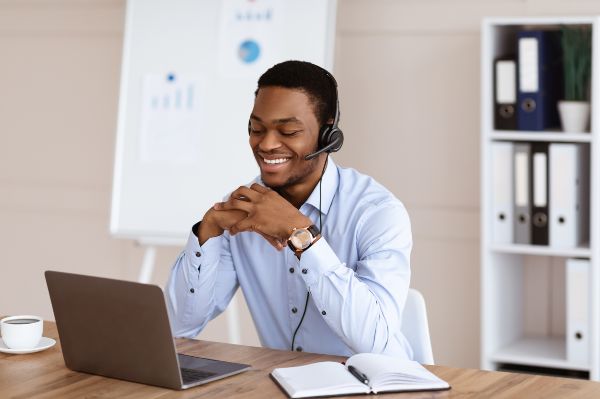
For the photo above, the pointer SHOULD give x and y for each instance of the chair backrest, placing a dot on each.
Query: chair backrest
(415, 327)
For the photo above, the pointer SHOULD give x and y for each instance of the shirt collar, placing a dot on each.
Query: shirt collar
(329, 185)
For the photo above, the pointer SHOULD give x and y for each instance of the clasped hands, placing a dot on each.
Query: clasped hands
(255, 208)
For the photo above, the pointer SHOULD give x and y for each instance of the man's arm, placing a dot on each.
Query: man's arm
(364, 307)
(203, 278)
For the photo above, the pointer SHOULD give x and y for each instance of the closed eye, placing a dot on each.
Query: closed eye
(289, 133)
(254, 130)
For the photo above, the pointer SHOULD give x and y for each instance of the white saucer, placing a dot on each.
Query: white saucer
(44, 343)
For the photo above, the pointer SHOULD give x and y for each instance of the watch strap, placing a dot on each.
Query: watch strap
(314, 230)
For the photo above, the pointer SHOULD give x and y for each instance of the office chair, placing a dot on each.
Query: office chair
(415, 327)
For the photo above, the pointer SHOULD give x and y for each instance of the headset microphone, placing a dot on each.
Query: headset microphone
(328, 148)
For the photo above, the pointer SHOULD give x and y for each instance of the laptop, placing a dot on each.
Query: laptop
(120, 329)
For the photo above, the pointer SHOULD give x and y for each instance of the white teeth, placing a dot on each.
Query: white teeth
(275, 161)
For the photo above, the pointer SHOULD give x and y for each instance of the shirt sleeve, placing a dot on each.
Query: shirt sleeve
(363, 303)
(202, 282)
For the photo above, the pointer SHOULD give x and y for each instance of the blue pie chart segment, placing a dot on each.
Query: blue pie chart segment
(249, 51)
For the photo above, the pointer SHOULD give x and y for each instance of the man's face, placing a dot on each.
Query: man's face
(283, 130)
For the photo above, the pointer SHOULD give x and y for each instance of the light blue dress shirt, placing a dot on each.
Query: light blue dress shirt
(358, 275)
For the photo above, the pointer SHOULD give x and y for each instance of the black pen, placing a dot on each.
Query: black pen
(359, 376)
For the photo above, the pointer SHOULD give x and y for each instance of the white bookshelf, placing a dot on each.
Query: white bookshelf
(516, 278)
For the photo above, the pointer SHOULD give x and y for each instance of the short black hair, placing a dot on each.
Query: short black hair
(309, 78)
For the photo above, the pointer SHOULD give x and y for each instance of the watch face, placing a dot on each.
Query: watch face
(301, 238)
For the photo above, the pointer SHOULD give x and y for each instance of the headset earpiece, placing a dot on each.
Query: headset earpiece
(331, 138)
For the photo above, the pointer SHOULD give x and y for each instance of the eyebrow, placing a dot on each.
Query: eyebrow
(281, 121)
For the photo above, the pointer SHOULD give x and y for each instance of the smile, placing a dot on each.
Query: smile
(275, 161)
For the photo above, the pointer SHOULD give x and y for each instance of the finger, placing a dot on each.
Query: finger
(245, 193)
(246, 224)
(234, 204)
(273, 241)
(231, 217)
(259, 188)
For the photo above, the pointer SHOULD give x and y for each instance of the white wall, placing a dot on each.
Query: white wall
(409, 87)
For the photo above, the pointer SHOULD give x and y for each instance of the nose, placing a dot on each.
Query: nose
(270, 141)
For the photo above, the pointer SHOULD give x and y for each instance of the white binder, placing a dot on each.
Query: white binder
(502, 206)
(578, 312)
(569, 186)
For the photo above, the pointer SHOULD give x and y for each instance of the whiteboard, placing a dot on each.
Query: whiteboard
(189, 72)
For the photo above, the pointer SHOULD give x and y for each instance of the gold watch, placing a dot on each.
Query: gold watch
(301, 239)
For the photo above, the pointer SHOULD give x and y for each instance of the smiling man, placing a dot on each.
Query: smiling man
(321, 252)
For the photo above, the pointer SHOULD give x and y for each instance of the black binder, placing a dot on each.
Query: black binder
(505, 94)
(540, 197)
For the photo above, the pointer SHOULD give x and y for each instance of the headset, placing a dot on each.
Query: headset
(331, 137)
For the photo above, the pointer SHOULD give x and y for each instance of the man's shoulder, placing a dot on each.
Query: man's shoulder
(362, 187)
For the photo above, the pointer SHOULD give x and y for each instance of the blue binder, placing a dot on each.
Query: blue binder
(540, 79)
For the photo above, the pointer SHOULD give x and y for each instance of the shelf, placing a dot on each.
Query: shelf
(542, 351)
(581, 252)
(514, 135)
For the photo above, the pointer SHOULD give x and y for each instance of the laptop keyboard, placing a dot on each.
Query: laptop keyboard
(190, 375)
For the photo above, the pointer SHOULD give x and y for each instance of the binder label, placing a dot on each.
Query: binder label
(521, 179)
(528, 65)
(506, 87)
(540, 191)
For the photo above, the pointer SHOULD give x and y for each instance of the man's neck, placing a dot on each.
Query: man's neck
(299, 193)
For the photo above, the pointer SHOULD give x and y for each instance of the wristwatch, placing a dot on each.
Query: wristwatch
(301, 239)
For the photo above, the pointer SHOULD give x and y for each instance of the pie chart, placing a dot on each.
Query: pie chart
(249, 51)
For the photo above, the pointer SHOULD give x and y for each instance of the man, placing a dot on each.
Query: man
(321, 252)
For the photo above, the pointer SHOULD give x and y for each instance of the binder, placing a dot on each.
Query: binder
(569, 193)
(540, 79)
(502, 193)
(521, 195)
(539, 202)
(578, 312)
(505, 94)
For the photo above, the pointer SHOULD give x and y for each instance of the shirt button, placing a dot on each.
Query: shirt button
(291, 270)
(304, 271)
(298, 349)
(294, 310)
(198, 254)
(192, 290)
(323, 313)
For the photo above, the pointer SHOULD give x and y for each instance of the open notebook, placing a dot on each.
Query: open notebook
(370, 373)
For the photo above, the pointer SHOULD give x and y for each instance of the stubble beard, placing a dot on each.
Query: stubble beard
(305, 169)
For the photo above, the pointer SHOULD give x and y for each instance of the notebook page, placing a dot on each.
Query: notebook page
(387, 371)
(318, 379)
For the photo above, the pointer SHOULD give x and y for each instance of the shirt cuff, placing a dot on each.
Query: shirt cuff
(203, 254)
(317, 261)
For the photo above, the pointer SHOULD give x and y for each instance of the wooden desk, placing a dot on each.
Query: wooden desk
(44, 375)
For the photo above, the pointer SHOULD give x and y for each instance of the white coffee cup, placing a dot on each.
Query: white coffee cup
(21, 332)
